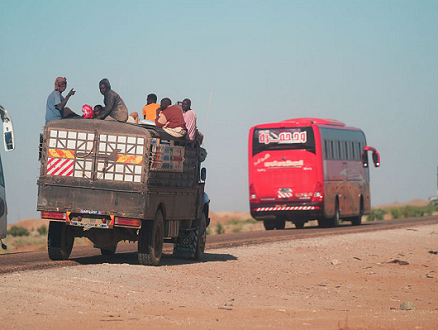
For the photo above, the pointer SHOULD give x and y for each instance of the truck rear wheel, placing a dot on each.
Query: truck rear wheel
(59, 241)
(151, 240)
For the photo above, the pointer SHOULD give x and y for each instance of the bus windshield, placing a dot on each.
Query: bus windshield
(283, 139)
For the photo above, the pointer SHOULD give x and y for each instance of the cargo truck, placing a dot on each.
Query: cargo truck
(111, 182)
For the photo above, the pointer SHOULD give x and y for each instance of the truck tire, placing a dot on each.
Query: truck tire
(151, 241)
(201, 237)
(60, 241)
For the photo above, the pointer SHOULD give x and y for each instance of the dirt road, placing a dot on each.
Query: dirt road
(354, 281)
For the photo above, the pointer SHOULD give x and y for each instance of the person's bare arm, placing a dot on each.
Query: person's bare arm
(61, 105)
(161, 120)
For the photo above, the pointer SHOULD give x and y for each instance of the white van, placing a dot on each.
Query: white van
(9, 144)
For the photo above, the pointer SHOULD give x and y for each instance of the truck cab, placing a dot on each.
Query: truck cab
(111, 182)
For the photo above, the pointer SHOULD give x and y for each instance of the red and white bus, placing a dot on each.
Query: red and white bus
(309, 169)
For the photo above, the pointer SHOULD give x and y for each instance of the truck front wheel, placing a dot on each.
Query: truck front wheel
(151, 240)
(201, 237)
(59, 241)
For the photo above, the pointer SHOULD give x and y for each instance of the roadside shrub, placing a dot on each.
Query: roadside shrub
(412, 211)
(233, 222)
(430, 209)
(219, 228)
(42, 230)
(18, 231)
(376, 214)
(396, 212)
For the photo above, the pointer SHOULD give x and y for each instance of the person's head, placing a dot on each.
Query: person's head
(104, 86)
(88, 111)
(165, 103)
(135, 116)
(97, 110)
(152, 98)
(186, 104)
(60, 84)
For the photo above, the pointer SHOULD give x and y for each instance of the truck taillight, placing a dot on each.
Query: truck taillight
(252, 193)
(53, 215)
(318, 193)
(128, 222)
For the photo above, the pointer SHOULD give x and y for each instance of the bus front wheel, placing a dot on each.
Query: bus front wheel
(356, 221)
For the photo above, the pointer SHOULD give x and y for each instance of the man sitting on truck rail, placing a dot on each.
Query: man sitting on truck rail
(171, 119)
(56, 103)
(150, 109)
(189, 118)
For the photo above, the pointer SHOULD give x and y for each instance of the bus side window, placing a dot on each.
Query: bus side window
(341, 150)
(345, 144)
(336, 150)
(326, 149)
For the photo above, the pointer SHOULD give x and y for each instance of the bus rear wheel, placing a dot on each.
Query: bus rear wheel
(151, 241)
(60, 240)
(269, 224)
(334, 221)
(280, 224)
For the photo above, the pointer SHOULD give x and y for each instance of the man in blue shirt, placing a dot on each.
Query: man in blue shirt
(55, 107)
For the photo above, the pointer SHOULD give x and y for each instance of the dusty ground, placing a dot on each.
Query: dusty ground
(356, 281)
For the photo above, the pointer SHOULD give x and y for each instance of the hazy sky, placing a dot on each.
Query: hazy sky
(370, 64)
